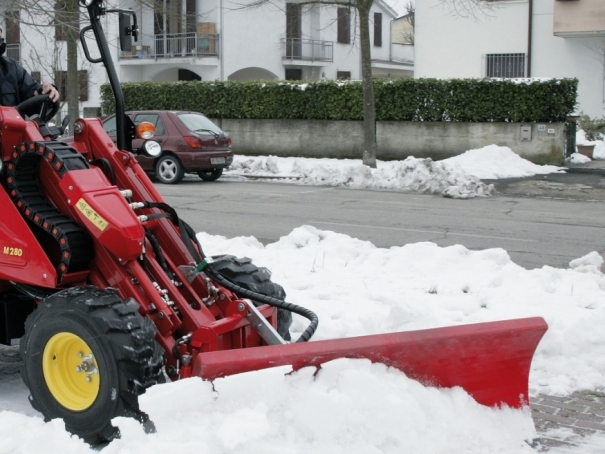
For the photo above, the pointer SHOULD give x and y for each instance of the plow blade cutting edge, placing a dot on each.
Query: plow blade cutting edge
(490, 360)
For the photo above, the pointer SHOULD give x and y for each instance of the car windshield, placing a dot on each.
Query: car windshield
(199, 123)
(109, 124)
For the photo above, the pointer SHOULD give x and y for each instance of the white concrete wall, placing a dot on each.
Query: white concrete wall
(394, 139)
(449, 45)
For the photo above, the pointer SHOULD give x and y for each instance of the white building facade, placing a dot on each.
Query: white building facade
(516, 38)
(217, 40)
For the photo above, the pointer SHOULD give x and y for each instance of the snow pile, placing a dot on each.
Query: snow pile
(494, 162)
(356, 288)
(590, 263)
(412, 174)
(352, 406)
(457, 177)
(578, 158)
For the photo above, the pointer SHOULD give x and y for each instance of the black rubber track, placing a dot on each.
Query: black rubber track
(127, 356)
(242, 272)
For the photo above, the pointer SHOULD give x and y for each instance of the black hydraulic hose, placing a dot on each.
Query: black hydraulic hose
(244, 292)
(259, 297)
(157, 250)
(189, 238)
(32, 292)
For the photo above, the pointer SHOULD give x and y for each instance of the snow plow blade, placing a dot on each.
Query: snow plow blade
(490, 360)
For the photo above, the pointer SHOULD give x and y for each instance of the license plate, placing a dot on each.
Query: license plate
(217, 160)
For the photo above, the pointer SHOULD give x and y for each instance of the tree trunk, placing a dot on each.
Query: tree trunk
(369, 110)
(73, 80)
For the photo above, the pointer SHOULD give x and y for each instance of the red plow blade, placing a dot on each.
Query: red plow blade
(490, 360)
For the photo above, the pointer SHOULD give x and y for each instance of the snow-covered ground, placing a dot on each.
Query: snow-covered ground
(458, 177)
(352, 406)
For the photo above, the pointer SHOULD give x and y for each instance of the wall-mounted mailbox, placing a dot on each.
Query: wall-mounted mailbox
(525, 132)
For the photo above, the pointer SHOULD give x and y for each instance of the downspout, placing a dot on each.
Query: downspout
(221, 42)
(391, 39)
(529, 35)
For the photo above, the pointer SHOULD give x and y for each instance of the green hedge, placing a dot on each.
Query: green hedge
(470, 100)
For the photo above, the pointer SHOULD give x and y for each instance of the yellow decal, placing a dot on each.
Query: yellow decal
(17, 252)
(92, 215)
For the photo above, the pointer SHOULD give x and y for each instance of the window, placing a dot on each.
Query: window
(378, 29)
(36, 76)
(343, 75)
(13, 30)
(185, 74)
(110, 126)
(344, 25)
(505, 65)
(61, 82)
(293, 74)
(196, 122)
(154, 119)
(293, 30)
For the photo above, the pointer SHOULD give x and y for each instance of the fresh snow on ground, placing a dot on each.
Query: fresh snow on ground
(352, 406)
(458, 177)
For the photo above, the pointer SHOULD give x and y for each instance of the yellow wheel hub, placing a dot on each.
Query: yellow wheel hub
(70, 371)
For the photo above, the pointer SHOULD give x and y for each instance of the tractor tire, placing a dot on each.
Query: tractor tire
(242, 272)
(87, 356)
(211, 174)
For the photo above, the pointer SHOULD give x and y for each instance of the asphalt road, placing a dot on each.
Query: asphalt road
(550, 228)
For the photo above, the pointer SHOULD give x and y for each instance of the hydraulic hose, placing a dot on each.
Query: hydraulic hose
(190, 239)
(260, 298)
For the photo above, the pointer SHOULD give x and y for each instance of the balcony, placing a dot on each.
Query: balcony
(307, 50)
(175, 45)
(579, 18)
(13, 51)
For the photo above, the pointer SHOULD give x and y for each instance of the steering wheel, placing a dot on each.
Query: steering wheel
(48, 108)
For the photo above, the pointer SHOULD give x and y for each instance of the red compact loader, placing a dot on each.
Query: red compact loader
(110, 292)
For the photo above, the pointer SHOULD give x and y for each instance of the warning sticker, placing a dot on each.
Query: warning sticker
(92, 215)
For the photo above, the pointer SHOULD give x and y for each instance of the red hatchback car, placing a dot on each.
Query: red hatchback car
(190, 142)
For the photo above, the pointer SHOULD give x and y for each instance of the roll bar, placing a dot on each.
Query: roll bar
(124, 124)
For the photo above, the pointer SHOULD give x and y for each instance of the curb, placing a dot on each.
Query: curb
(587, 170)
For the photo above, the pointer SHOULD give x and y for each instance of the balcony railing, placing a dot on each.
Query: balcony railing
(13, 51)
(175, 45)
(308, 49)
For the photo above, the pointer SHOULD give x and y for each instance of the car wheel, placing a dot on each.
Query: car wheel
(210, 175)
(169, 169)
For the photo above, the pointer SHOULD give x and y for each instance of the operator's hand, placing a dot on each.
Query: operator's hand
(51, 91)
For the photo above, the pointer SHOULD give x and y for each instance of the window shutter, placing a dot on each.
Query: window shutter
(378, 29)
(344, 26)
